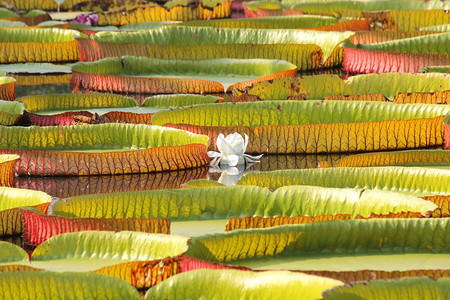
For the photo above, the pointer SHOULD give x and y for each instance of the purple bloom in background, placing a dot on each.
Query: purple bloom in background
(89, 20)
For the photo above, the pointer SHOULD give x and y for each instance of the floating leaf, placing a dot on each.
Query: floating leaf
(436, 69)
(417, 288)
(58, 102)
(196, 36)
(367, 61)
(441, 97)
(443, 202)
(40, 227)
(179, 100)
(406, 20)
(331, 138)
(7, 166)
(38, 45)
(413, 158)
(91, 250)
(10, 112)
(163, 76)
(282, 22)
(64, 285)
(400, 179)
(266, 222)
(10, 199)
(158, 13)
(234, 284)
(295, 113)
(394, 83)
(7, 88)
(127, 117)
(430, 43)
(11, 253)
(373, 37)
(102, 149)
(224, 202)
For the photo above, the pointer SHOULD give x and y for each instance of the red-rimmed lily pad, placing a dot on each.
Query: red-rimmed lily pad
(145, 75)
(102, 149)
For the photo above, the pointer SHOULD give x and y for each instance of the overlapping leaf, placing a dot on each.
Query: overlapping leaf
(418, 288)
(7, 88)
(401, 179)
(7, 166)
(95, 249)
(39, 227)
(387, 236)
(10, 112)
(58, 102)
(401, 158)
(192, 36)
(233, 284)
(179, 100)
(159, 13)
(38, 45)
(11, 253)
(58, 285)
(295, 113)
(127, 148)
(146, 75)
(225, 202)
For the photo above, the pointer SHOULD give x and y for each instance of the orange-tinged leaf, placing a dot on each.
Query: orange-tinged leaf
(158, 13)
(443, 202)
(127, 117)
(332, 138)
(398, 158)
(91, 50)
(39, 228)
(440, 97)
(47, 162)
(7, 166)
(7, 88)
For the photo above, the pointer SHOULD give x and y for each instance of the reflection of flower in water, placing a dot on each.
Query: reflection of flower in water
(232, 151)
(230, 175)
(89, 20)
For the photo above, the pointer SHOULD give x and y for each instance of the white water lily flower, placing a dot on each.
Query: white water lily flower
(232, 150)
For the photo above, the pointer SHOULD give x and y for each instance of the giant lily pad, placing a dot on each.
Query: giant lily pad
(422, 158)
(91, 250)
(7, 88)
(10, 112)
(423, 181)
(420, 288)
(220, 203)
(10, 199)
(313, 126)
(304, 48)
(235, 284)
(393, 244)
(145, 75)
(38, 45)
(7, 166)
(64, 285)
(318, 87)
(102, 149)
